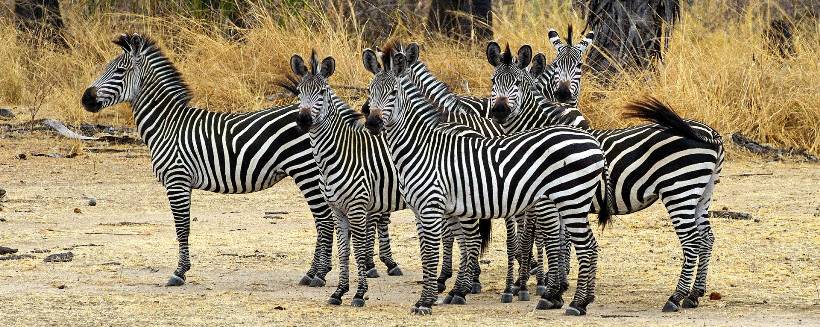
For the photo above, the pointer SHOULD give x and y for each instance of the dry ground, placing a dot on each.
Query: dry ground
(767, 270)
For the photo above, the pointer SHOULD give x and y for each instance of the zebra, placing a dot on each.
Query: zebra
(358, 178)
(561, 80)
(464, 179)
(677, 161)
(193, 148)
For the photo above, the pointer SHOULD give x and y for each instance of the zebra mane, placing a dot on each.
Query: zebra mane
(506, 56)
(569, 35)
(148, 48)
(391, 47)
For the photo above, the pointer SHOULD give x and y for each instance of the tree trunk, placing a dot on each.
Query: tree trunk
(628, 34)
(41, 19)
(462, 19)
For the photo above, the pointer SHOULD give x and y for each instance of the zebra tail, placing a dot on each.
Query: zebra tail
(605, 212)
(485, 229)
(653, 110)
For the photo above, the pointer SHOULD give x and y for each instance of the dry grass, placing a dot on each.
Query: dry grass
(717, 70)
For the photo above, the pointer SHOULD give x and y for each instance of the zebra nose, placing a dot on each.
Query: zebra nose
(563, 93)
(89, 100)
(501, 109)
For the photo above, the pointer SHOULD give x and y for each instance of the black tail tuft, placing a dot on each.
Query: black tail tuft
(605, 212)
(485, 229)
(653, 110)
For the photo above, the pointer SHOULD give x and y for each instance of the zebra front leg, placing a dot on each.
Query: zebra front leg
(362, 232)
(682, 209)
(343, 237)
(446, 260)
(526, 240)
(385, 251)
(469, 242)
(512, 250)
(429, 225)
(371, 225)
(574, 216)
(325, 224)
(178, 190)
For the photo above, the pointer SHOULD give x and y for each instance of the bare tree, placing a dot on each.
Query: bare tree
(462, 19)
(628, 34)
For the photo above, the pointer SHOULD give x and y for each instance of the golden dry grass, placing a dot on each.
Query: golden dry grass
(717, 69)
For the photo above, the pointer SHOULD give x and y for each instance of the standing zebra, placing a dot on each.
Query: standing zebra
(197, 149)
(677, 161)
(561, 80)
(357, 176)
(464, 179)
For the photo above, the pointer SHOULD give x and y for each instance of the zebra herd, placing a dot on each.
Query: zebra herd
(525, 154)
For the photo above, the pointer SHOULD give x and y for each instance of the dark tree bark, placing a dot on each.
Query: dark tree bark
(462, 19)
(377, 19)
(40, 18)
(628, 34)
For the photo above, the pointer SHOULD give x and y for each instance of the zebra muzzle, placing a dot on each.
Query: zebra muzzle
(563, 94)
(304, 120)
(374, 121)
(501, 109)
(89, 100)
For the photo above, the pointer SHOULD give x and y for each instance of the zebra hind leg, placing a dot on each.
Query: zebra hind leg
(682, 206)
(705, 253)
(577, 224)
(179, 196)
(465, 233)
(372, 225)
(362, 237)
(385, 251)
(446, 260)
(430, 227)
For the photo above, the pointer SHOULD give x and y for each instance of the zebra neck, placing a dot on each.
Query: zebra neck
(338, 130)
(160, 106)
(433, 89)
(414, 116)
(543, 83)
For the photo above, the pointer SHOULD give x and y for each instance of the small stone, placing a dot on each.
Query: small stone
(92, 201)
(195, 219)
(278, 307)
(60, 257)
(6, 113)
(757, 220)
(62, 286)
(715, 296)
(2, 220)
(4, 250)
(21, 156)
(40, 251)
(2, 193)
(77, 210)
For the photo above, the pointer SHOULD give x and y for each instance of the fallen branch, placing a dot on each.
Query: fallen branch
(730, 215)
(118, 234)
(765, 150)
(750, 174)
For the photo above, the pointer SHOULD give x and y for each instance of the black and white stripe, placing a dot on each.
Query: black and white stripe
(197, 149)
(464, 179)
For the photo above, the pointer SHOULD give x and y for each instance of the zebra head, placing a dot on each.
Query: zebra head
(383, 88)
(510, 79)
(312, 89)
(121, 80)
(564, 75)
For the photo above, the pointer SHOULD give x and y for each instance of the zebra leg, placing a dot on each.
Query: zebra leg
(566, 258)
(429, 224)
(371, 224)
(550, 230)
(385, 251)
(466, 268)
(178, 189)
(475, 286)
(682, 207)
(512, 254)
(362, 232)
(574, 215)
(446, 260)
(526, 241)
(343, 237)
(705, 254)
(325, 224)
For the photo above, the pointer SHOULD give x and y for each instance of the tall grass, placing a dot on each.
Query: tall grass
(717, 69)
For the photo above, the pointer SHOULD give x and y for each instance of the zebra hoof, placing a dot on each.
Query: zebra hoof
(690, 303)
(458, 300)
(447, 299)
(523, 295)
(441, 287)
(395, 271)
(373, 273)
(514, 290)
(506, 297)
(670, 307)
(357, 302)
(317, 282)
(422, 311)
(575, 311)
(476, 288)
(334, 301)
(534, 271)
(175, 281)
(544, 304)
(305, 281)
(540, 290)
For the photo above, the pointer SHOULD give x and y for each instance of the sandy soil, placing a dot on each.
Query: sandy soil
(246, 268)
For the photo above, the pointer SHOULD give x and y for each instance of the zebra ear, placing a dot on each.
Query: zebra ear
(539, 64)
(328, 67)
(398, 63)
(586, 41)
(494, 53)
(297, 64)
(371, 61)
(524, 56)
(555, 39)
(412, 53)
